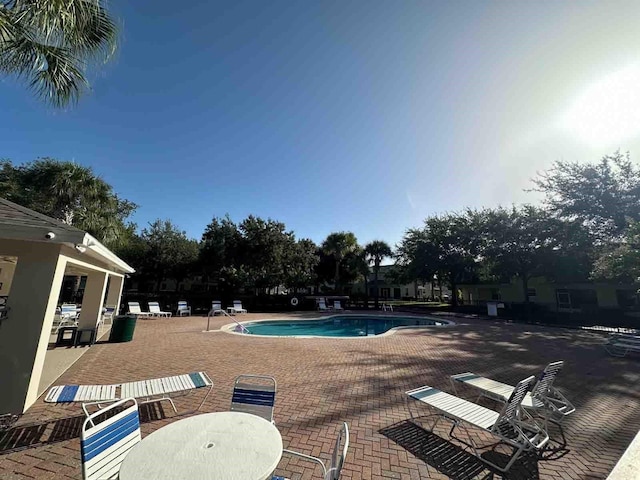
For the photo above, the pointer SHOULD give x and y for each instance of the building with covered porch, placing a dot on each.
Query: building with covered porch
(36, 253)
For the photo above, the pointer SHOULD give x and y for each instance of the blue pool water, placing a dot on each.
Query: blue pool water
(337, 326)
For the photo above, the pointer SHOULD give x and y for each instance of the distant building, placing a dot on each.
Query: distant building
(559, 297)
(388, 289)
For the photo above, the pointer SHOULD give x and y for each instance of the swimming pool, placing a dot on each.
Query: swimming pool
(337, 326)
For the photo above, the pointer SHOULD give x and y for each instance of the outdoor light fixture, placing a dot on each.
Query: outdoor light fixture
(81, 248)
(50, 235)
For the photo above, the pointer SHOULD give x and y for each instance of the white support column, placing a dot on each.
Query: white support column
(24, 336)
(93, 299)
(114, 295)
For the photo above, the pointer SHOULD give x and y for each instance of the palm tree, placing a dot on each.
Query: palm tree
(338, 245)
(51, 43)
(376, 252)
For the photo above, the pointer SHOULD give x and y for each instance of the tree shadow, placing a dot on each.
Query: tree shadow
(22, 437)
(454, 461)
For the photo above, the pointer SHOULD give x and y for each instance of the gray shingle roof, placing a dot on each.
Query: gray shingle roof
(14, 214)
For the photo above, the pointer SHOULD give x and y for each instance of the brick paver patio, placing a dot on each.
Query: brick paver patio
(322, 382)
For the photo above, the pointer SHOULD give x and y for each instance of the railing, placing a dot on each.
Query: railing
(243, 329)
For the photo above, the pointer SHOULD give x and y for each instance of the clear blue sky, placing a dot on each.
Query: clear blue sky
(340, 115)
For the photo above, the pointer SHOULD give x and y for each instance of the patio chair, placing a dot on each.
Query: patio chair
(149, 391)
(134, 309)
(66, 316)
(216, 307)
(106, 439)
(108, 313)
(255, 394)
(337, 306)
(337, 459)
(621, 344)
(543, 399)
(154, 309)
(513, 426)
(387, 307)
(183, 308)
(322, 305)
(237, 307)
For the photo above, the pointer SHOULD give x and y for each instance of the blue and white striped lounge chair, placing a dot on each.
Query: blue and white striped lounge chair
(322, 305)
(337, 306)
(337, 459)
(255, 394)
(105, 440)
(148, 391)
(237, 307)
(513, 426)
(622, 344)
(544, 399)
(183, 308)
(134, 309)
(154, 309)
(216, 307)
(66, 317)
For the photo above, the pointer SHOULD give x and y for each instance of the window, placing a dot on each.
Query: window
(385, 292)
(564, 299)
(406, 292)
(495, 294)
(531, 294)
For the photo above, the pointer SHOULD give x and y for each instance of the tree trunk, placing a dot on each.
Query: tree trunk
(375, 280)
(433, 291)
(525, 290)
(366, 291)
(415, 288)
(336, 278)
(454, 293)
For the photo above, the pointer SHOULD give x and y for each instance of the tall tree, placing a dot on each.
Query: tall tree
(301, 259)
(376, 252)
(338, 245)
(621, 263)
(605, 196)
(71, 193)
(51, 44)
(168, 252)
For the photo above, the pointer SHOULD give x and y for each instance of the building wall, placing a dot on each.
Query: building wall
(6, 276)
(546, 293)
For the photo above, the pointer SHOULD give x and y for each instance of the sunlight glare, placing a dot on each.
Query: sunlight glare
(607, 111)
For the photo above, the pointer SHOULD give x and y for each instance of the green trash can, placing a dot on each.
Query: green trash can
(123, 328)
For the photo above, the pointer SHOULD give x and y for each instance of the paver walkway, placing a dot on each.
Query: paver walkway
(322, 382)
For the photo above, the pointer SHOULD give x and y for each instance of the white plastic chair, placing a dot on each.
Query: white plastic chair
(237, 307)
(134, 309)
(337, 306)
(216, 307)
(337, 459)
(322, 305)
(183, 309)
(105, 440)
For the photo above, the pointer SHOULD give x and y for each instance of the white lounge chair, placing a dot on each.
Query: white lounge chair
(149, 391)
(183, 308)
(134, 309)
(67, 316)
(106, 439)
(237, 307)
(387, 307)
(544, 398)
(337, 306)
(621, 344)
(337, 459)
(514, 426)
(255, 394)
(216, 307)
(322, 305)
(154, 309)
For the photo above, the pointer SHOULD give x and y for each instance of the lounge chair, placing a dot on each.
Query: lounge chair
(543, 399)
(322, 305)
(255, 394)
(134, 309)
(183, 308)
(620, 344)
(337, 306)
(154, 390)
(67, 316)
(154, 309)
(237, 307)
(514, 426)
(106, 439)
(387, 307)
(337, 459)
(216, 307)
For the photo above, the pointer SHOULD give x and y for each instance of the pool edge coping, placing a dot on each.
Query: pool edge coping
(230, 327)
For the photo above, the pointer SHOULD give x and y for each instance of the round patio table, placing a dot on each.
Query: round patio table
(222, 445)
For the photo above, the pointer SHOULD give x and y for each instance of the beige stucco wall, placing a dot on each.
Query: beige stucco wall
(6, 276)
